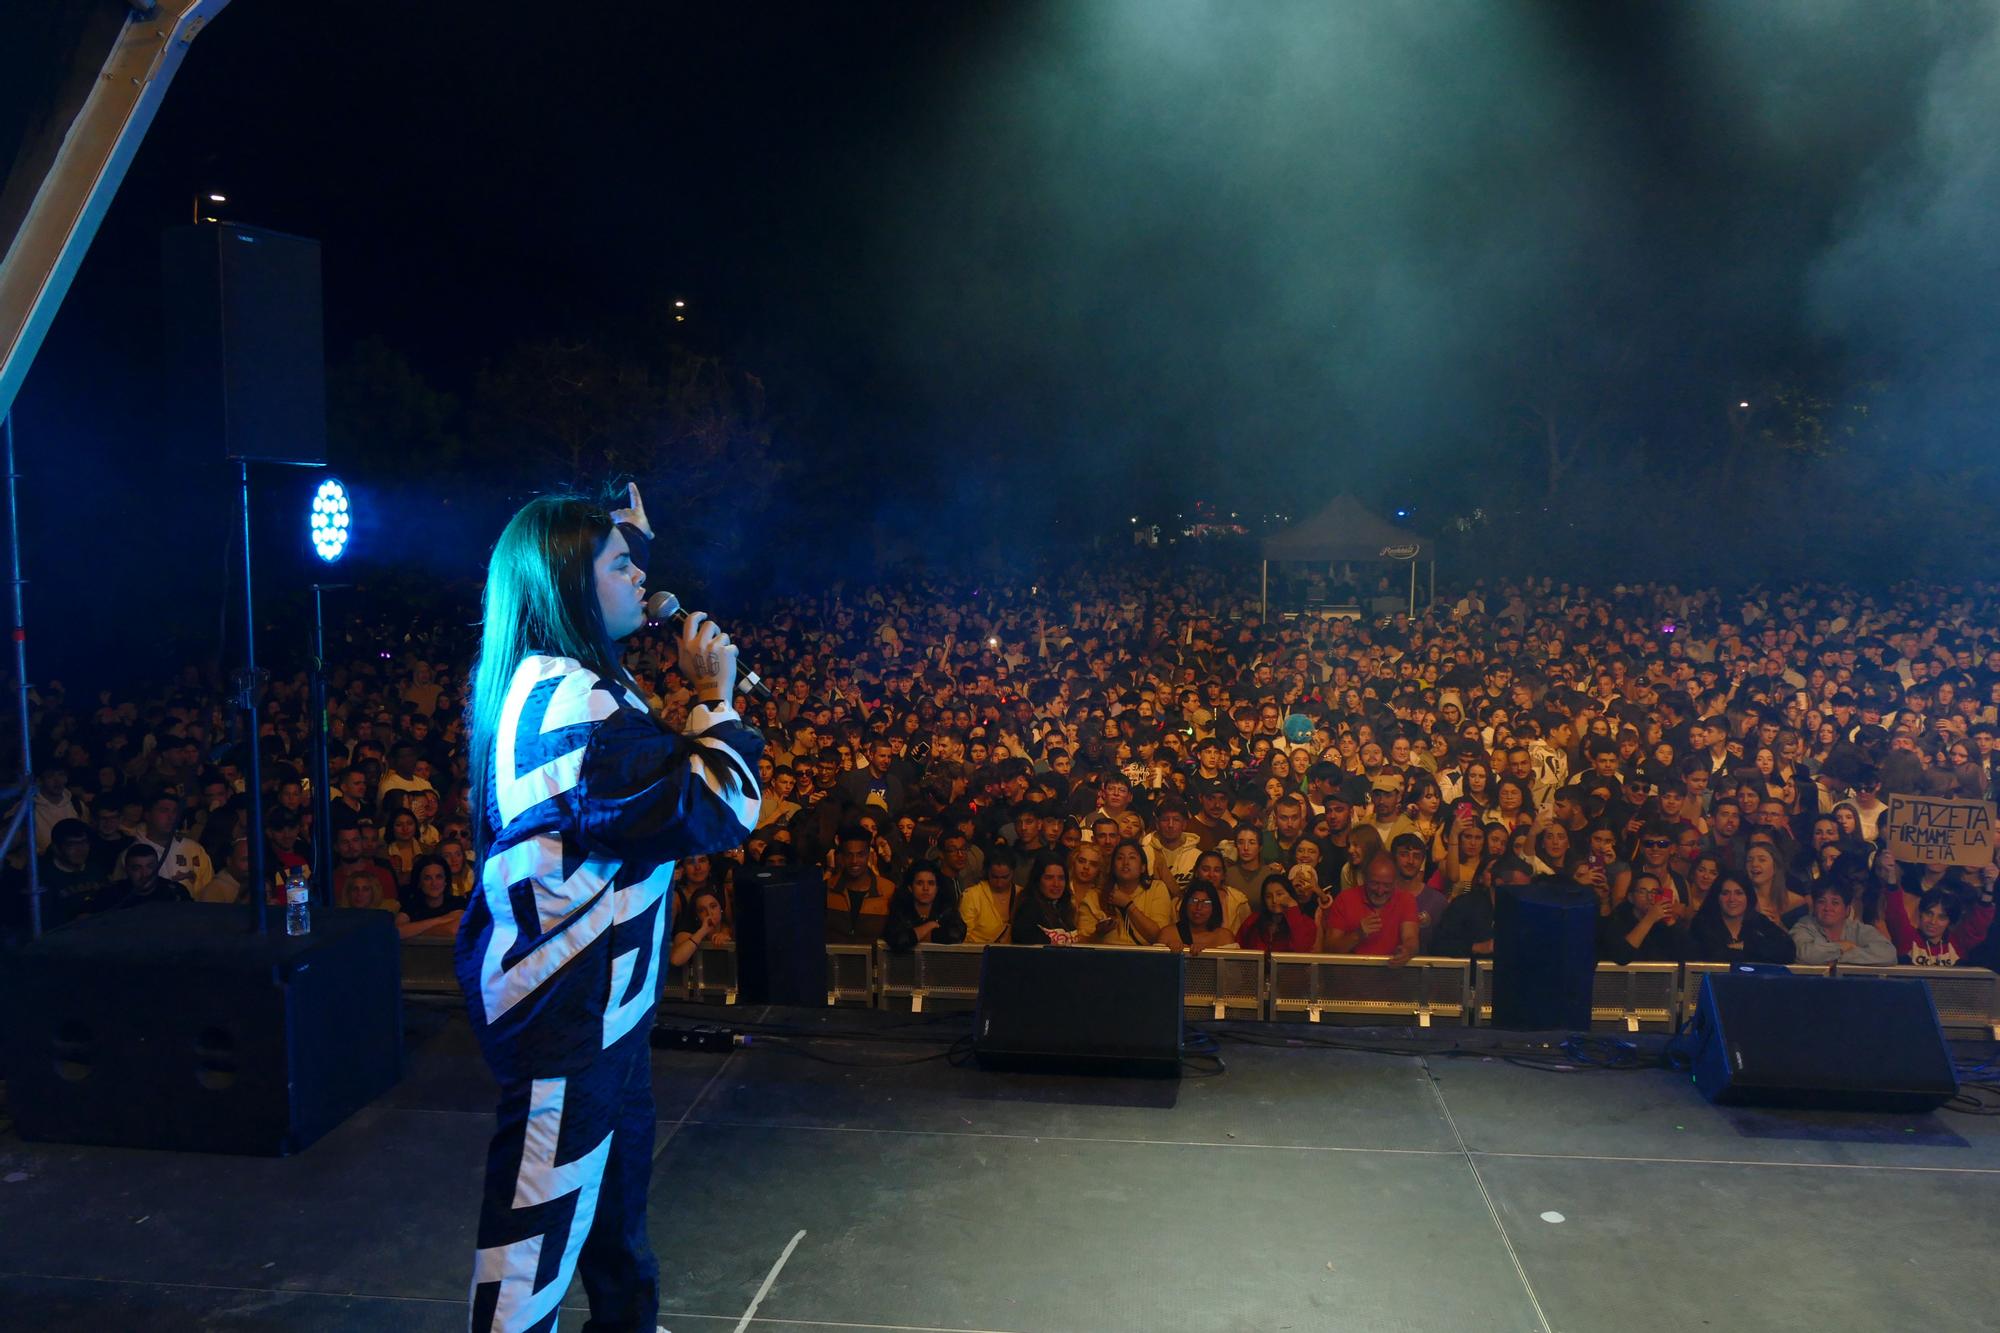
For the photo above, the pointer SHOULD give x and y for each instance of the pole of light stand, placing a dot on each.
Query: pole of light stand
(322, 875)
(21, 682)
(260, 886)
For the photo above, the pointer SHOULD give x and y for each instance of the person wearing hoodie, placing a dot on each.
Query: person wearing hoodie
(1827, 934)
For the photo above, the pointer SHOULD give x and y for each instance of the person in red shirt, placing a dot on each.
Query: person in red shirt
(1902, 912)
(359, 881)
(1279, 926)
(1374, 917)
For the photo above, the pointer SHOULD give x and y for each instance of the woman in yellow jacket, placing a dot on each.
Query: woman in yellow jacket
(1131, 909)
(988, 906)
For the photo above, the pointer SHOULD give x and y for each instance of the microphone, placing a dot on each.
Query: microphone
(665, 607)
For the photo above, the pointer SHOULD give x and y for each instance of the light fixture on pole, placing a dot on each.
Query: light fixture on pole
(330, 520)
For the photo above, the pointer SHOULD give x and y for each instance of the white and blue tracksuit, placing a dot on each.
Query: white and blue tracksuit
(590, 801)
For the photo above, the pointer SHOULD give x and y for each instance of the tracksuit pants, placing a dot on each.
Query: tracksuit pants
(566, 1180)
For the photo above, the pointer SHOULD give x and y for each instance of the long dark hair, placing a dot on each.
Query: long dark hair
(541, 597)
(1111, 862)
(1063, 910)
(1269, 919)
(1216, 915)
(1708, 916)
(423, 863)
(688, 920)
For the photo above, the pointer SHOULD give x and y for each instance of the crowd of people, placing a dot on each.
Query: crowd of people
(1137, 756)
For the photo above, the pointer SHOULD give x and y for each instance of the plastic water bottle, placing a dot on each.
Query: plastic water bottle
(298, 911)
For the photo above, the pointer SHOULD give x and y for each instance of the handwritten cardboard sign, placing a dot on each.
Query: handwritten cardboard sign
(1939, 830)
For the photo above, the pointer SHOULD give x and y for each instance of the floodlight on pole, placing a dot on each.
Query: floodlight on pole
(330, 520)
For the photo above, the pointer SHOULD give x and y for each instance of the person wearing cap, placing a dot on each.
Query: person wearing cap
(1451, 779)
(1335, 825)
(1385, 796)
(1210, 824)
(1171, 850)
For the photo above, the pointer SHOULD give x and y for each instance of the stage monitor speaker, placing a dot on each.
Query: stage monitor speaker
(245, 347)
(1840, 1043)
(1080, 1010)
(781, 936)
(1544, 956)
(176, 1026)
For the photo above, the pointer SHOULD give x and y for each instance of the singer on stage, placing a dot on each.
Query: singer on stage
(581, 803)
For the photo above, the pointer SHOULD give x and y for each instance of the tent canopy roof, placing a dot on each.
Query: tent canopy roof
(1345, 530)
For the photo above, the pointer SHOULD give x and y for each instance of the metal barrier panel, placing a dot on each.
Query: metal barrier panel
(1294, 986)
(850, 975)
(933, 975)
(712, 973)
(895, 976)
(1635, 997)
(427, 966)
(1224, 983)
(1967, 998)
(1639, 997)
(948, 973)
(1365, 990)
(1241, 982)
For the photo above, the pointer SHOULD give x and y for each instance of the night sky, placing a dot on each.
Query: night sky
(1020, 263)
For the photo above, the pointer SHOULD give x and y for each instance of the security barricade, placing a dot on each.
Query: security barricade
(1224, 983)
(1967, 998)
(1637, 997)
(710, 976)
(850, 975)
(1357, 990)
(711, 973)
(932, 976)
(427, 966)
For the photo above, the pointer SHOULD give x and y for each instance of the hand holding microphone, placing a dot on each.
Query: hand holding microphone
(707, 657)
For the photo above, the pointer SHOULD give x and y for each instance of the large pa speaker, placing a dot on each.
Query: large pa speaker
(176, 1026)
(1080, 1010)
(781, 936)
(245, 346)
(1544, 956)
(1773, 1038)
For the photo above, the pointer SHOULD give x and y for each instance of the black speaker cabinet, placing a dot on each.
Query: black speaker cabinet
(1544, 956)
(781, 936)
(175, 1026)
(245, 346)
(1098, 1011)
(1842, 1043)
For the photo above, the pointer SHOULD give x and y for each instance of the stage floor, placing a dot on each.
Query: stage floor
(1304, 1188)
